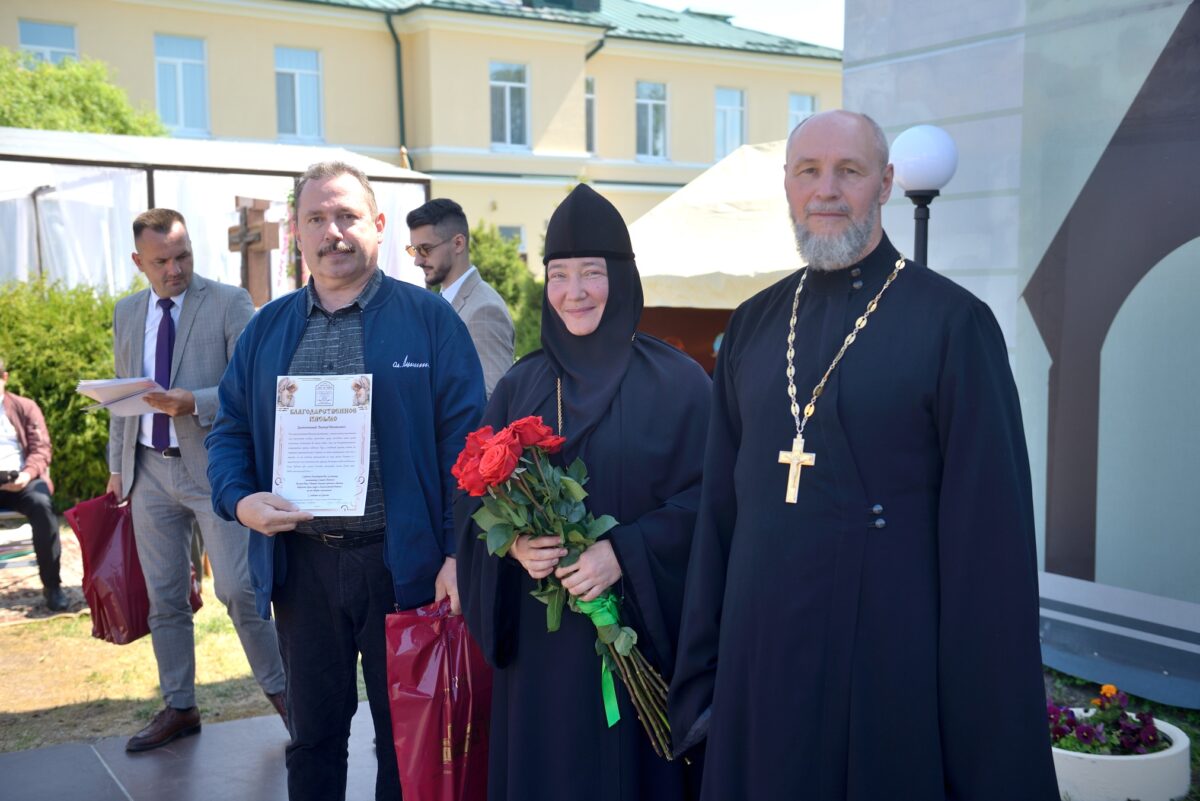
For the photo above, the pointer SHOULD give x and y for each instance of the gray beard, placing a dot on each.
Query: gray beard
(829, 253)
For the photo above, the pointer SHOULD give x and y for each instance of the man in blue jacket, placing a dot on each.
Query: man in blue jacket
(334, 579)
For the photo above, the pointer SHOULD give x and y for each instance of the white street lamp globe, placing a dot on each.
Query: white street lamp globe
(924, 158)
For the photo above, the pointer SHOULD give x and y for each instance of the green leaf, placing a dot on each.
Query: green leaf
(576, 537)
(577, 512)
(601, 525)
(573, 554)
(554, 609)
(625, 641)
(500, 539)
(519, 496)
(578, 472)
(484, 517)
(573, 489)
(608, 633)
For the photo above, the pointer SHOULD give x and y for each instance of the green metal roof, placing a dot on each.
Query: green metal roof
(621, 19)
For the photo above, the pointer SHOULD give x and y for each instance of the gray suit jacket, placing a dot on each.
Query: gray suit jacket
(212, 318)
(490, 326)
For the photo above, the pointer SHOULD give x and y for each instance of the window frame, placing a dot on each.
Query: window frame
(651, 104)
(47, 53)
(589, 114)
(508, 86)
(295, 73)
(177, 64)
(721, 113)
(794, 117)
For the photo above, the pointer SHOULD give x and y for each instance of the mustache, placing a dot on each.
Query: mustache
(341, 246)
(827, 208)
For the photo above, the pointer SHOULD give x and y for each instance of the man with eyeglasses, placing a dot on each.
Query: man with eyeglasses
(440, 245)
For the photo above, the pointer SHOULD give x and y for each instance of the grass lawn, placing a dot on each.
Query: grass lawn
(58, 684)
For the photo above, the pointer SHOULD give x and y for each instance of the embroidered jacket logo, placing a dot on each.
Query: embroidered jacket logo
(407, 363)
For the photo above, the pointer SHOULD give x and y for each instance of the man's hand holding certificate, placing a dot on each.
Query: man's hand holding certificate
(323, 443)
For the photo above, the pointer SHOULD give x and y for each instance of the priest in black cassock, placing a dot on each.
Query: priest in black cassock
(636, 410)
(861, 614)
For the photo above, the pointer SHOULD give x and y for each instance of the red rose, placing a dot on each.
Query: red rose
(500, 457)
(530, 430)
(466, 468)
(551, 443)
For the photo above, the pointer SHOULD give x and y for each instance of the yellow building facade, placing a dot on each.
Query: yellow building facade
(505, 106)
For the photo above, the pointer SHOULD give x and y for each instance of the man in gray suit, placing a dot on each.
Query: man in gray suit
(441, 246)
(181, 332)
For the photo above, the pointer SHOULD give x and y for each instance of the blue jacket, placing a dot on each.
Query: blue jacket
(428, 394)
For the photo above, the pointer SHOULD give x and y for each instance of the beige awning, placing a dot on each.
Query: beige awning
(720, 239)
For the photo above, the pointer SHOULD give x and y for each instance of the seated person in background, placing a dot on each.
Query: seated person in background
(25, 485)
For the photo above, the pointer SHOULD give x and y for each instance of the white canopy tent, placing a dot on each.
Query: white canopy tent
(721, 238)
(67, 201)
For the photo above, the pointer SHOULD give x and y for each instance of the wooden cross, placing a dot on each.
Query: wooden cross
(255, 238)
(795, 459)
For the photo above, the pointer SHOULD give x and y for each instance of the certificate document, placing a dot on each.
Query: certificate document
(323, 442)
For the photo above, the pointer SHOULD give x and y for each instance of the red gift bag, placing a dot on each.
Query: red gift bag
(440, 692)
(113, 584)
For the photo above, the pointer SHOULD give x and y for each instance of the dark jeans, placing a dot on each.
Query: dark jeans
(34, 502)
(331, 609)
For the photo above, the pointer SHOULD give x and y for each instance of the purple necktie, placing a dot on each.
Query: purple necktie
(161, 432)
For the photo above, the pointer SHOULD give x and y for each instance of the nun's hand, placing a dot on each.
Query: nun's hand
(538, 555)
(596, 571)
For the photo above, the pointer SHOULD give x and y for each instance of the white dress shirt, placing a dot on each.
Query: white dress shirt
(11, 457)
(149, 351)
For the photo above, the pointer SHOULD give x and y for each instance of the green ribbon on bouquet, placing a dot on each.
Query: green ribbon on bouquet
(603, 612)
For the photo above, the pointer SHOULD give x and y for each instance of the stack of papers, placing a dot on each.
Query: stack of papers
(123, 397)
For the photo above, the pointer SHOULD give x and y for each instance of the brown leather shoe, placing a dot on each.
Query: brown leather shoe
(169, 724)
(278, 701)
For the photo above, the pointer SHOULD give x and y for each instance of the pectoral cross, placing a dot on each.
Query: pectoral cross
(795, 459)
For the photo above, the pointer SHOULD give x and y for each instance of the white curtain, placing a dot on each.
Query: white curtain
(81, 231)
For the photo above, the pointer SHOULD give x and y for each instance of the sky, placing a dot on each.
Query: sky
(814, 21)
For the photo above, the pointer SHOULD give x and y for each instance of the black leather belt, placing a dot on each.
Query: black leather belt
(166, 453)
(345, 541)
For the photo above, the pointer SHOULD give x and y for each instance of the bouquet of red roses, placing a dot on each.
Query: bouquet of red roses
(523, 493)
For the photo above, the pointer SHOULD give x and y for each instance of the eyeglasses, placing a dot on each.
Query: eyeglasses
(423, 250)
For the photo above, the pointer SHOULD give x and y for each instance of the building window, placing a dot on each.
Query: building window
(46, 41)
(589, 104)
(731, 121)
(651, 120)
(510, 105)
(515, 234)
(800, 108)
(182, 84)
(298, 93)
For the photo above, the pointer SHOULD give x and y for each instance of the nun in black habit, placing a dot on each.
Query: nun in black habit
(636, 410)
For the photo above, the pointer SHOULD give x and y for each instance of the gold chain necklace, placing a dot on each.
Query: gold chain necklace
(796, 457)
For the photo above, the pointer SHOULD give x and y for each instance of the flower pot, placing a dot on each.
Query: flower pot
(1161, 776)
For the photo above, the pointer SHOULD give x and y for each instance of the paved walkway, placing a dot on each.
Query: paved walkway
(241, 760)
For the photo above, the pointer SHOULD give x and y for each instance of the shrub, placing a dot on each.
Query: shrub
(50, 337)
(499, 263)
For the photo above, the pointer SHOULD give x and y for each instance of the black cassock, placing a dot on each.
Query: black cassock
(879, 638)
(549, 737)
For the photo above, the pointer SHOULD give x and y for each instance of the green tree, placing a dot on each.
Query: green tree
(499, 263)
(50, 338)
(71, 96)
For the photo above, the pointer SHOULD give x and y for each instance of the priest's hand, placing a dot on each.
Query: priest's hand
(267, 513)
(173, 402)
(446, 583)
(596, 571)
(538, 555)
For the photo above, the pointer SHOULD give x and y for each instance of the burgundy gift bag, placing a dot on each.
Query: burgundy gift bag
(113, 584)
(440, 691)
